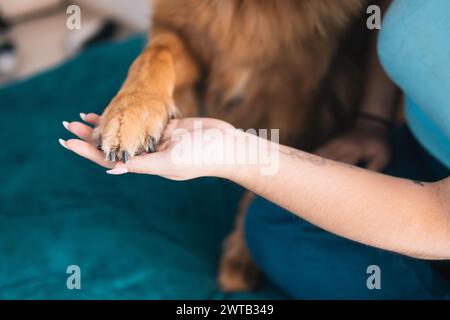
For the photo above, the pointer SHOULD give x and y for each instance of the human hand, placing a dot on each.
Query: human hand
(367, 142)
(188, 149)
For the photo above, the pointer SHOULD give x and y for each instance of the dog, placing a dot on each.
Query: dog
(290, 64)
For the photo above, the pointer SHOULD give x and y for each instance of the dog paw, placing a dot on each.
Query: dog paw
(132, 124)
(237, 271)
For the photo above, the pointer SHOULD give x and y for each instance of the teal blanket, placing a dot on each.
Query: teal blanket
(133, 237)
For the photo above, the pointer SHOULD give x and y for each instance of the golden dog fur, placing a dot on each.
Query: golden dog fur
(283, 64)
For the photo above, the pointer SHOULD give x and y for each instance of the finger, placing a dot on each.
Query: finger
(91, 118)
(331, 153)
(350, 158)
(88, 151)
(163, 145)
(171, 126)
(329, 150)
(152, 163)
(81, 130)
(348, 152)
(378, 163)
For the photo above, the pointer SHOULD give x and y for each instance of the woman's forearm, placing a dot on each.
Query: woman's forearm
(405, 216)
(396, 214)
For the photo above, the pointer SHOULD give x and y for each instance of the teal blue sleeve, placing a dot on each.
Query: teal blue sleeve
(414, 48)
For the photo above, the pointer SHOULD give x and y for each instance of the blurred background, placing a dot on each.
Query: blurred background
(33, 36)
(129, 236)
(133, 236)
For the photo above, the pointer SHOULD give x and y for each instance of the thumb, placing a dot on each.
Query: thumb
(327, 151)
(153, 163)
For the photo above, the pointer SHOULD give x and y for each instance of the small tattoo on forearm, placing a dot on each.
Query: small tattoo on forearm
(313, 159)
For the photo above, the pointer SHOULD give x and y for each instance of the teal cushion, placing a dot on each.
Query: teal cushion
(133, 236)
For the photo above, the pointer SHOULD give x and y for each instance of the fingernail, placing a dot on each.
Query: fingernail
(63, 143)
(83, 116)
(117, 171)
(65, 124)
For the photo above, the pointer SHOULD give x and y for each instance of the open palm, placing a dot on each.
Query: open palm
(176, 140)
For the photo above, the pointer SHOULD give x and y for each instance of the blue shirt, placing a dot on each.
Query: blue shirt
(414, 48)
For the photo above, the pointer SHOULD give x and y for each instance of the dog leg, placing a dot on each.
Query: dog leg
(135, 119)
(237, 270)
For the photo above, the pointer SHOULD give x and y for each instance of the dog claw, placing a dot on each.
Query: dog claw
(151, 144)
(125, 156)
(112, 156)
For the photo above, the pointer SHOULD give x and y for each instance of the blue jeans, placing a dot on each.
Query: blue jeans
(309, 263)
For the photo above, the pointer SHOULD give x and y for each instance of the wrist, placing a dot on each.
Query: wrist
(228, 167)
(241, 157)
